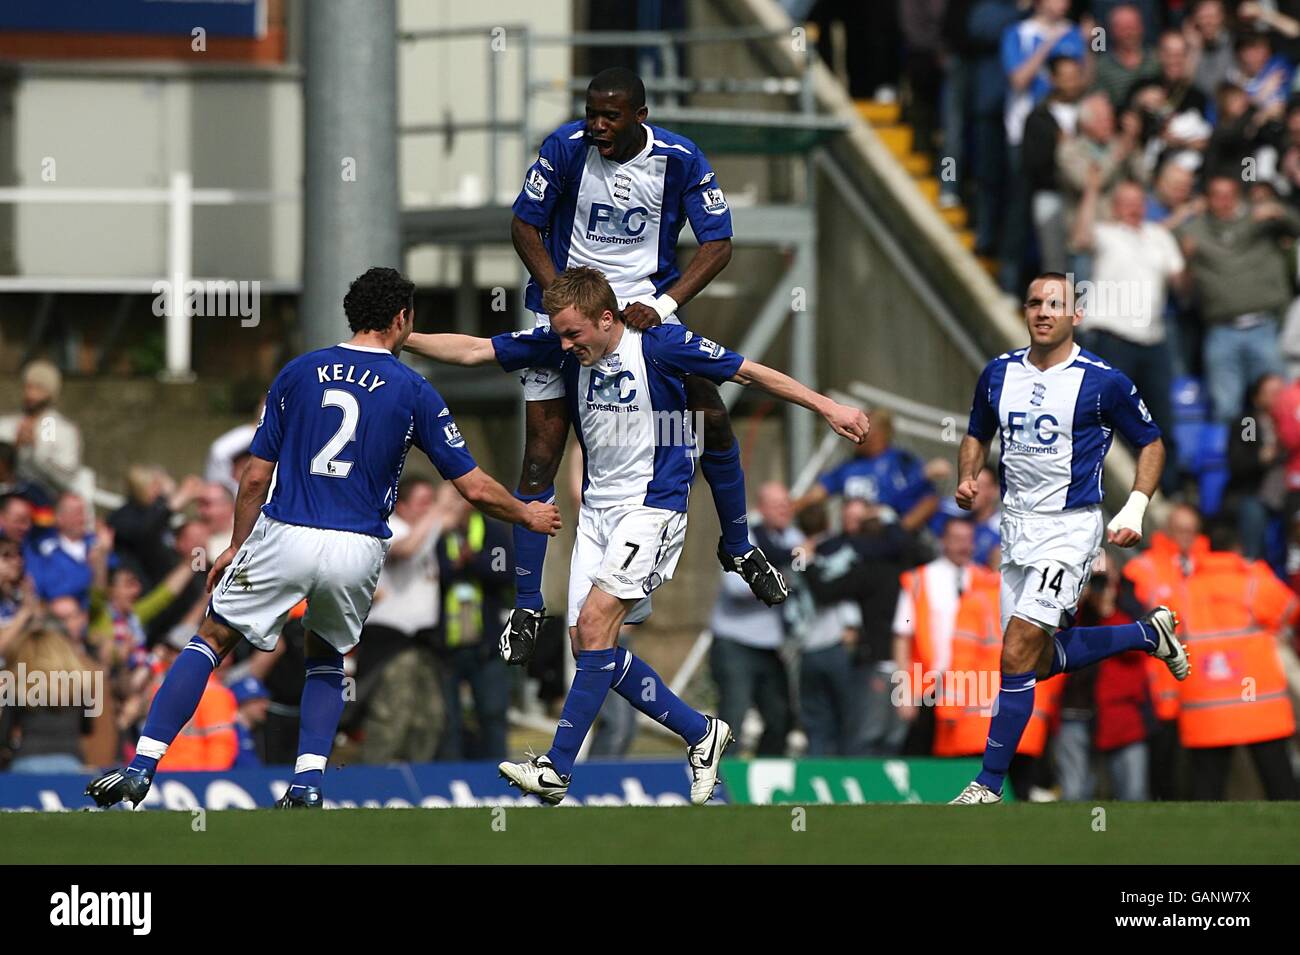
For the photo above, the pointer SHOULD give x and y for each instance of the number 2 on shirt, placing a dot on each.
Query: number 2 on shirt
(323, 463)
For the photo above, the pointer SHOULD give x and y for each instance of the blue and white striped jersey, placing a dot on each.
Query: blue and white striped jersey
(1056, 426)
(629, 409)
(621, 218)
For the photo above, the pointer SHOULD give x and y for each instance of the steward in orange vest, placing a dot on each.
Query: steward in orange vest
(1159, 577)
(972, 682)
(209, 741)
(1234, 613)
(1237, 692)
(922, 648)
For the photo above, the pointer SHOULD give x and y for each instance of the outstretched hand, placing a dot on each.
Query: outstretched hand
(848, 422)
(542, 518)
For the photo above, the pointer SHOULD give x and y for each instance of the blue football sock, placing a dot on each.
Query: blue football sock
(318, 718)
(174, 703)
(727, 482)
(1079, 647)
(646, 690)
(590, 687)
(530, 554)
(1011, 712)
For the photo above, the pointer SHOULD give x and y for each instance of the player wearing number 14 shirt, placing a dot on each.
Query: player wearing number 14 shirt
(1055, 408)
(311, 522)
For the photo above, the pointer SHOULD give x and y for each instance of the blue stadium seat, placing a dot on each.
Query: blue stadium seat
(1190, 401)
(1211, 466)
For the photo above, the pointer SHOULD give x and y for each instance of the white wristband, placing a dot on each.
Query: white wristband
(665, 305)
(1131, 514)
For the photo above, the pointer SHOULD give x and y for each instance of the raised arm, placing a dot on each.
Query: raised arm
(452, 349)
(845, 421)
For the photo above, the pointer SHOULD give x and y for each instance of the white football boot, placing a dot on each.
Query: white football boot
(976, 794)
(704, 758)
(1168, 647)
(537, 776)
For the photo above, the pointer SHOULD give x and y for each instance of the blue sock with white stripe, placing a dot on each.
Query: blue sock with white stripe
(1011, 712)
(174, 703)
(318, 718)
(641, 686)
(727, 482)
(586, 695)
(530, 555)
(1079, 647)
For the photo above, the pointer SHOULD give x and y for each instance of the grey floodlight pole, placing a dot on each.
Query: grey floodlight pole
(350, 195)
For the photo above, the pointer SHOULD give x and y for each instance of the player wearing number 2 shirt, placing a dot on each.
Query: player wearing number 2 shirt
(311, 522)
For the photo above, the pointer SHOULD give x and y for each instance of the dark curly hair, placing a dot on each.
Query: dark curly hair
(375, 297)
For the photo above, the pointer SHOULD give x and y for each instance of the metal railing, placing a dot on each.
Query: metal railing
(659, 65)
(180, 198)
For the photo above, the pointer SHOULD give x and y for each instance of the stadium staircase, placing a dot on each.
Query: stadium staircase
(886, 120)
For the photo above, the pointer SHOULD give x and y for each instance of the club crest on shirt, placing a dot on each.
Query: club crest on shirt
(1040, 391)
(622, 187)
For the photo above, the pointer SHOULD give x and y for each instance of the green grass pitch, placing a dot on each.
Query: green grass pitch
(1053, 833)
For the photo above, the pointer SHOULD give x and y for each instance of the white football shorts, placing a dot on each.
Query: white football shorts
(281, 564)
(628, 551)
(1046, 562)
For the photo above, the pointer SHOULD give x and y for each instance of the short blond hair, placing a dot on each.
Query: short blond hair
(583, 287)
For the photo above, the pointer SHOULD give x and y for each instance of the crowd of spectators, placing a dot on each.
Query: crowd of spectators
(1151, 150)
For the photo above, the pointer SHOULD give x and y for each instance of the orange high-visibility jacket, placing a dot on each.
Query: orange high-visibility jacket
(962, 723)
(1157, 577)
(913, 581)
(1237, 691)
(208, 741)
